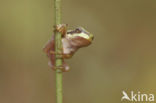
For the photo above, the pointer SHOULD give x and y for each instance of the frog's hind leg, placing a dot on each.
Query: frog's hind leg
(64, 67)
(49, 46)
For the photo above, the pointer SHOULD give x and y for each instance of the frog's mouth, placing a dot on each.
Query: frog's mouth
(83, 35)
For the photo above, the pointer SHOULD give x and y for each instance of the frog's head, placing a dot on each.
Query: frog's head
(80, 37)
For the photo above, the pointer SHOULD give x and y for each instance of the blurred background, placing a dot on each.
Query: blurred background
(122, 56)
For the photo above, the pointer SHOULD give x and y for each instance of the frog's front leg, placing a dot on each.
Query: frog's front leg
(62, 28)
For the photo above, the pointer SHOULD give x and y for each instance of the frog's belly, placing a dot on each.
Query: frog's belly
(66, 47)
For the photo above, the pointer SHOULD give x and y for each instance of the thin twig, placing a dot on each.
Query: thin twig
(58, 50)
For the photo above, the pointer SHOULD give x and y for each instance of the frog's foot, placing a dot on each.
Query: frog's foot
(62, 28)
(63, 68)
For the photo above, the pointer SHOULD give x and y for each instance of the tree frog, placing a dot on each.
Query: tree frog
(72, 40)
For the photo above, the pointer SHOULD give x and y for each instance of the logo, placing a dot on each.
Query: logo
(137, 97)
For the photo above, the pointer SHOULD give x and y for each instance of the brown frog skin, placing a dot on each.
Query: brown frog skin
(72, 40)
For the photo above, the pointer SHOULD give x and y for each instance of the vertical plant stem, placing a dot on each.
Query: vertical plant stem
(58, 49)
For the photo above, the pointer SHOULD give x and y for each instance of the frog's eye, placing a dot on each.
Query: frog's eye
(77, 30)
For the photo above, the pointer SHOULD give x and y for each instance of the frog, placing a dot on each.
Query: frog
(72, 41)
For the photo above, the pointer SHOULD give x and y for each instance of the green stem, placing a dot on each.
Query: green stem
(58, 49)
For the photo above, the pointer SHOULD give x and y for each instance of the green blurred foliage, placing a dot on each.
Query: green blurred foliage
(122, 56)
